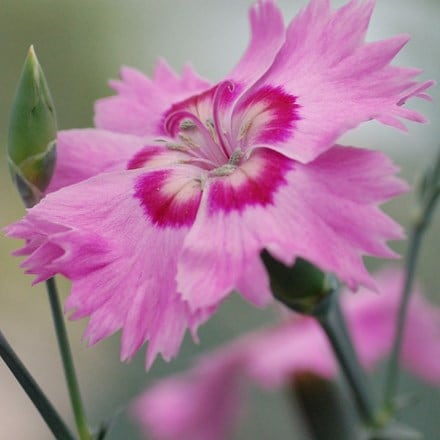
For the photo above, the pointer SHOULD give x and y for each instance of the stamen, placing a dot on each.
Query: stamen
(244, 130)
(176, 147)
(189, 141)
(235, 158)
(187, 124)
(211, 128)
(224, 170)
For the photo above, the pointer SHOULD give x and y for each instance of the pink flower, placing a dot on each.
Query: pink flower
(270, 358)
(211, 392)
(161, 212)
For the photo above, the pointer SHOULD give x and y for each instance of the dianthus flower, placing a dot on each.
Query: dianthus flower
(203, 403)
(162, 211)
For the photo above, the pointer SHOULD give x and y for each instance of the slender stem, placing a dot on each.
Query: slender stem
(428, 196)
(332, 322)
(32, 389)
(66, 356)
(392, 378)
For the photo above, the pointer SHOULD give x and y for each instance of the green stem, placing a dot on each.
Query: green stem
(392, 377)
(428, 196)
(66, 356)
(32, 389)
(333, 324)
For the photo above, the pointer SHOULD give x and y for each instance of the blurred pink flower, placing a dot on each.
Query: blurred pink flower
(162, 211)
(177, 406)
(199, 401)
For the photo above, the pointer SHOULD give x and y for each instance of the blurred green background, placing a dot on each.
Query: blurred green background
(80, 45)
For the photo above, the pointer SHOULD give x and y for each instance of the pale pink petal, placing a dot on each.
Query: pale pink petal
(337, 80)
(138, 107)
(421, 349)
(372, 319)
(98, 234)
(85, 153)
(276, 354)
(253, 283)
(200, 405)
(293, 210)
(267, 36)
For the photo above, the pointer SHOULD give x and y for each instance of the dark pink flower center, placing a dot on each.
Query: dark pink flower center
(216, 141)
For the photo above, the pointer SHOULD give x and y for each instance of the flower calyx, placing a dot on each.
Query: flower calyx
(302, 287)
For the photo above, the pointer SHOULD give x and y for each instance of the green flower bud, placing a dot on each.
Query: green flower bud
(302, 287)
(326, 411)
(32, 133)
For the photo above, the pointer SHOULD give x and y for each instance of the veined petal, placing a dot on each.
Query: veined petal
(140, 103)
(97, 234)
(85, 153)
(283, 206)
(170, 197)
(267, 36)
(338, 80)
(155, 157)
(266, 117)
(196, 122)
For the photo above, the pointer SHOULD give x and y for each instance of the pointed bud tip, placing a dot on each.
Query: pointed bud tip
(31, 53)
(32, 65)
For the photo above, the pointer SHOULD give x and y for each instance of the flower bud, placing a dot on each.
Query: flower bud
(32, 133)
(302, 287)
(324, 408)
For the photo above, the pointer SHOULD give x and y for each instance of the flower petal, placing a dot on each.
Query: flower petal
(123, 268)
(372, 320)
(138, 107)
(266, 117)
(201, 405)
(338, 80)
(85, 153)
(267, 36)
(276, 354)
(293, 210)
(170, 197)
(421, 348)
